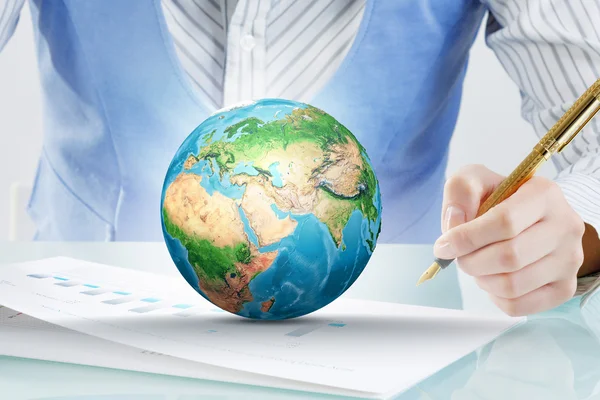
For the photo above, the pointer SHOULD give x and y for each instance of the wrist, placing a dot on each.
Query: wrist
(591, 250)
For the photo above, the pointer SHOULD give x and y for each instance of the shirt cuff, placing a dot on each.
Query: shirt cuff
(588, 284)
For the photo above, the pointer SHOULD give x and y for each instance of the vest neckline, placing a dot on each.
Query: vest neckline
(192, 92)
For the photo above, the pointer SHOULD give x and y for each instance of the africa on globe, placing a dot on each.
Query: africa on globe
(271, 210)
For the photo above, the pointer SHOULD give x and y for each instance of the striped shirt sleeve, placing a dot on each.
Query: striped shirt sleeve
(9, 16)
(551, 49)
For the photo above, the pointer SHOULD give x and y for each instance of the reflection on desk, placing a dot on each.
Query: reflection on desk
(554, 356)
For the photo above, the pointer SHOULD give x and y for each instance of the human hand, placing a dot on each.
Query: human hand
(525, 252)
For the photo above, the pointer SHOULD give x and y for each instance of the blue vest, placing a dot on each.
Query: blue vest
(118, 104)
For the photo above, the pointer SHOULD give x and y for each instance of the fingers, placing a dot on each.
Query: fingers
(557, 266)
(511, 255)
(516, 284)
(504, 221)
(463, 193)
(545, 298)
(525, 252)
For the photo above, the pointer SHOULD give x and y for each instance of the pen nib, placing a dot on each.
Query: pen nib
(430, 273)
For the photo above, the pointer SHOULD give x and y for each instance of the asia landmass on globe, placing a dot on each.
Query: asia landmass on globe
(271, 210)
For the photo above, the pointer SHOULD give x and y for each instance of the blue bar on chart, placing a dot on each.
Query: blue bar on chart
(122, 293)
(60, 278)
(304, 330)
(337, 324)
(146, 309)
(183, 306)
(120, 300)
(150, 300)
(91, 286)
(39, 276)
(95, 292)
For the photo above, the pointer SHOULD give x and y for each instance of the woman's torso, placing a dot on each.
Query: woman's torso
(118, 105)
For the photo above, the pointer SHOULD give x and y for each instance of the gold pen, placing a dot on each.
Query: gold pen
(560, 135)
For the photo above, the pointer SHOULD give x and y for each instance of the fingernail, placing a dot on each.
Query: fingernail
(454, 216)
(442, 249)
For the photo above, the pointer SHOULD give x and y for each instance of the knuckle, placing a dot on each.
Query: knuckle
(509, 286)
(549, 187)
(510, 258)
(458, 183)
(565, 290)
(464, 180)
(511, 307)
(578, 225)
(507, 222)
(463, 242)
(512, 310)
(470, 265)
(577, 256)
(473, 169)
(570, 288)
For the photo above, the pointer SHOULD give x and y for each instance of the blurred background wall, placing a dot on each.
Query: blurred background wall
(490, 129)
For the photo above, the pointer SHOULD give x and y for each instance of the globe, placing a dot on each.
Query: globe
(271, 210)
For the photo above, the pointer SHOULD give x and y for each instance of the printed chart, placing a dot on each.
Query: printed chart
(145, 301)
(362, 346)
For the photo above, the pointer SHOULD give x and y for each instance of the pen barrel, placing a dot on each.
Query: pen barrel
(524, 171)
(573, 121)
(559, 136)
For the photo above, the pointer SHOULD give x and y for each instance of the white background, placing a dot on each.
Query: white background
(490, 130)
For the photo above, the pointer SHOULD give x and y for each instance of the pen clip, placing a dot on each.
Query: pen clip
(561, 145)
(575, 120)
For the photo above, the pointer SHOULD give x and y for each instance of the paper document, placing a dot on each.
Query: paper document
(26, 337)
(352, 347)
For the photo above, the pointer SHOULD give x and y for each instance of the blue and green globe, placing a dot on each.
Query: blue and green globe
(271, 210)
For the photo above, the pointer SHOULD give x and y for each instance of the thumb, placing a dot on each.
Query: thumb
(464, 192)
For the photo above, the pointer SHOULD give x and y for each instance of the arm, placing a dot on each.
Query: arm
(9, 17)
(551, 49)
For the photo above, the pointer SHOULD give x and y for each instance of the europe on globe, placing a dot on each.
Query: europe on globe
(271, 210)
